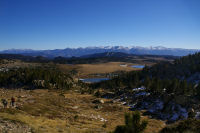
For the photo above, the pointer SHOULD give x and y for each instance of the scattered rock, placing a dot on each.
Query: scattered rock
(98, 107)
(98, 101)
(8, 126)
(197, 116)
(30, 100)
(75, 107)
(157, 108)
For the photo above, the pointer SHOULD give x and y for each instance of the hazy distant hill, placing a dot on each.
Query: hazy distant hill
(92, 58)
(126, 55)
(107, 54)
(77, 52)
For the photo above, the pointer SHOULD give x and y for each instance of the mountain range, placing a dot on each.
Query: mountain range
(78, 52)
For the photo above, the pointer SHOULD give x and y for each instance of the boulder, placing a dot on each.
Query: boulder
(197, 116)
(173, 112)
(75, 107)
(157, 105)
(183, 113)
(174, 117)
(98, 101)
(101, 101)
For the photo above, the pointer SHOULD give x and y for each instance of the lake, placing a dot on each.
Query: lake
(93, 80)
(138, 66)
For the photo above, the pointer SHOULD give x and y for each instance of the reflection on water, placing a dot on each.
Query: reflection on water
(138, 66)
(93, 80)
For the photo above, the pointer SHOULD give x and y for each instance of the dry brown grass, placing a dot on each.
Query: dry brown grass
(56, 111)
(99, 68)
(105, 67)
(154, 126)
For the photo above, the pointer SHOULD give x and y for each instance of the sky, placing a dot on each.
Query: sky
(58, 24)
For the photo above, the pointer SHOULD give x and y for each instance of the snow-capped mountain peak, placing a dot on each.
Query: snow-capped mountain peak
(69, 52)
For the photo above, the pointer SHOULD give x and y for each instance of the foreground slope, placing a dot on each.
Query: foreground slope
(66, 111)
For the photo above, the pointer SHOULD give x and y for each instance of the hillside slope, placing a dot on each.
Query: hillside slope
(169, 90)
(66, 111)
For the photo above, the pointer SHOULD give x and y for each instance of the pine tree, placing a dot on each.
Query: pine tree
(198, 91)
(133, 124)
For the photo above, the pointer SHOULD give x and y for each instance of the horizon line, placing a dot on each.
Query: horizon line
(100, 46)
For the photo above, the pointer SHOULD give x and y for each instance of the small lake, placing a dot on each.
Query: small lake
(93, 80)
(138, 66)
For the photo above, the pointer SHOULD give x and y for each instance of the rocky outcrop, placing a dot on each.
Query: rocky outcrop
(166, 107)
(166, 111)
(8, 126)
(194, 78)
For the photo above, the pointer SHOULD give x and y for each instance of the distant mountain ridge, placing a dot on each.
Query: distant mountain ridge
(124, 55)
(78, 52)
(106, 54)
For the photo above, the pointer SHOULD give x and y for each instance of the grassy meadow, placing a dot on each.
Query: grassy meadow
(66, 111)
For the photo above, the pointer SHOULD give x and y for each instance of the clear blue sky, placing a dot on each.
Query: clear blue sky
(50, 24)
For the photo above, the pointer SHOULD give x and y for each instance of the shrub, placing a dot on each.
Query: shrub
(185, 126)
(133, 124)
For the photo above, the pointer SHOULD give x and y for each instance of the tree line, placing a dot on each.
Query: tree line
(161, 78)
(38, 77)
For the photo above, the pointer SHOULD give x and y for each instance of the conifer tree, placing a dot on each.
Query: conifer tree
(133, 124)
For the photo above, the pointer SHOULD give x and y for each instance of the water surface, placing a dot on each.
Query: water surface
(138, 66)
(93, 80)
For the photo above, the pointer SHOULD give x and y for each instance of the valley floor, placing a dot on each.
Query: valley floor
(53, 111)
(93, 70)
